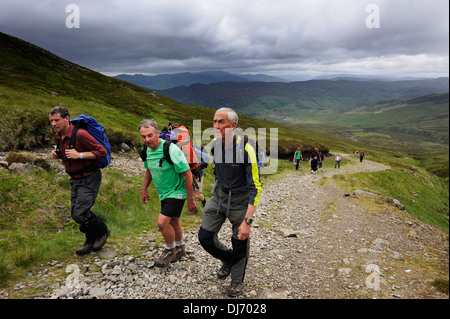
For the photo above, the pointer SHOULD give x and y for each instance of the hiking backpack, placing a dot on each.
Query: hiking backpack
(179, 135)
(97, 130)
(315, 158)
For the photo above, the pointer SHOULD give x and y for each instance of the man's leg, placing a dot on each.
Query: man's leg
(166, 228)
(241, 248)
(83, 195)
(212, 222)
(169, 225)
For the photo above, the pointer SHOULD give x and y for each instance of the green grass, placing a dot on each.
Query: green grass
(424, 195)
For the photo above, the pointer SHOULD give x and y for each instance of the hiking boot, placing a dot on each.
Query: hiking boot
(224, 271)
(235, 289)
(167, 256)
(180, 251)
(101, 241)
(86, 249)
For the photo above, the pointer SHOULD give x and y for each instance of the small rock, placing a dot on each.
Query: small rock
(97, 292)
(267, 293)
(288, 232)
(108, 254)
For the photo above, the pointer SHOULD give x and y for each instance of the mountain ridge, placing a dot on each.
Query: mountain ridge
(256, 98)
(168, 81)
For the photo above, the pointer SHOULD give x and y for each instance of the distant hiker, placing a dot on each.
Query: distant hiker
(297, 158)
(361, 156)
(85, 178)
(321, 159)
(337, 161)
(314, 160)
(236, 194)
(173, 183)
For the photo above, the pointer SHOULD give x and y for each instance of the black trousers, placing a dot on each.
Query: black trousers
(84, 192)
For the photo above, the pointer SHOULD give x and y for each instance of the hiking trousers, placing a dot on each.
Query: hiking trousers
(83, 195)
(222, 206)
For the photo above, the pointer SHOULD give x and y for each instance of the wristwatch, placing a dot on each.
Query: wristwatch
(81, 155)
(249, 220)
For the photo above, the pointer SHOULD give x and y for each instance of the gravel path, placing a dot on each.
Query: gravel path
(309, 241)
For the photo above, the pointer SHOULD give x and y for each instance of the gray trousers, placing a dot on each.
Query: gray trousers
(83, 195)
(214, 215)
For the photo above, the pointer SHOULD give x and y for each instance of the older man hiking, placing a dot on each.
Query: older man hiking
(235, 196)
(173, 183)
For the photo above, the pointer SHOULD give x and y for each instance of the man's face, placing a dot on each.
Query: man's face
(150, 137)
(222, 126)
(59, 124)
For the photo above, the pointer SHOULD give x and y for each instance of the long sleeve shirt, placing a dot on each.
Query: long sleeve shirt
(236, 168)
(85, 142)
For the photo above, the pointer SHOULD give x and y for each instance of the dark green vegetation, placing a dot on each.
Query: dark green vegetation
(35, 224)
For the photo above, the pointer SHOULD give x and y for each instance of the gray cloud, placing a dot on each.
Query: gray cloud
(272, 36)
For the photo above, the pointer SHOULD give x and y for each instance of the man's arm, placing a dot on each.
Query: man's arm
(244, 229)
(253, 181)
(147, 180)
(95, 150)
(188, 180)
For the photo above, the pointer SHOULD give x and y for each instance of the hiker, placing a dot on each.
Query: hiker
(361, 156)
(314, 160)
(297, 157)
(173, 184)
(85, 177)
(236, 194)
(337, 161)
(321, 159)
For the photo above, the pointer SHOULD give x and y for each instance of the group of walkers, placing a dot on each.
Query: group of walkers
(235, 194)
(316, 159)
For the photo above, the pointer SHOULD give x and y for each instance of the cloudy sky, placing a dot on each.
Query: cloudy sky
(276, 37)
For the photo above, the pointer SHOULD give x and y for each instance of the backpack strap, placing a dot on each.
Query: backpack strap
(143, 153)
(73, 137)
(166, 156)
(86, 168)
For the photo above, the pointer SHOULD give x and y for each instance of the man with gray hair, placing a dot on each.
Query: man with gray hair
(236, 194)
(173, 183)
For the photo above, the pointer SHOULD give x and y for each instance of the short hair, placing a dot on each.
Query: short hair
(232, 115)
(59, 110)
(149, 123)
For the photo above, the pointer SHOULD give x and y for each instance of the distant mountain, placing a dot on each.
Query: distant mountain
(168, 81)
(286, 100)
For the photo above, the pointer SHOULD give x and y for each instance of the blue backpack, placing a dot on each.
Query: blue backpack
(91, 125)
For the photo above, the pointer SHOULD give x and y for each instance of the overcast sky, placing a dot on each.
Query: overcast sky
(276, 37)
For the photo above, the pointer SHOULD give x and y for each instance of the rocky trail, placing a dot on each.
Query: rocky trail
(310, 240)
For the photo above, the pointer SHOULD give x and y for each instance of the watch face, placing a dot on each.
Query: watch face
(249, 220)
